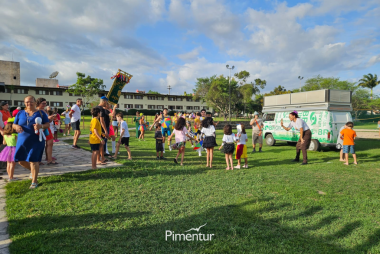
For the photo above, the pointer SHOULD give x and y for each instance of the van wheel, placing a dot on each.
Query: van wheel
(314, 145)
(269, 139)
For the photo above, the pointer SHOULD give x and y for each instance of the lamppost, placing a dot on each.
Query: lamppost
(229, 86)
(300, 78)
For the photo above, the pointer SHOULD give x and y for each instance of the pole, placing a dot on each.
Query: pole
(229, 106)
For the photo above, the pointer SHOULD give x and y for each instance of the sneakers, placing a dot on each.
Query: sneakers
(245, 166)
(157, 158)
(170, 148)
(64, 135)
(162, 158)
(254, 151)
(238, 167)
(74, 147)
(260, 150)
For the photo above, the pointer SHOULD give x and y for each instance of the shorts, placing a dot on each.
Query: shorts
(350, 149)
(95, 147)
(75, 125)
(125, 141)
(167, 131)
(256, 138)
(241, 152)
(67, 121)
(50, 136)
(159, 146)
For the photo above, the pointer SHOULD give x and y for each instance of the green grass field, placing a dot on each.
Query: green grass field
(274, 206)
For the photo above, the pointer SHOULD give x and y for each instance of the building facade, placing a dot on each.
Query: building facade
(10, 73)
(59, 97)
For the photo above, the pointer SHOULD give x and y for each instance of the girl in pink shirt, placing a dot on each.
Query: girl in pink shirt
(181, 134)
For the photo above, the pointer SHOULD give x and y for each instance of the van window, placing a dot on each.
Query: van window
(269, 117)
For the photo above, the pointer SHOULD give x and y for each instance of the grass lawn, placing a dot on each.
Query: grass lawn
(275, 206)
(361, 125)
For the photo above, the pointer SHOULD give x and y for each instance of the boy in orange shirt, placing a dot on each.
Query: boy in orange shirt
(348, 135)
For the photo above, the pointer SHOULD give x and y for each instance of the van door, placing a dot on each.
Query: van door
(339, 120)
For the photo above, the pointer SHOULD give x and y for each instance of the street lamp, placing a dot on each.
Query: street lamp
(229, 86)
(300, 78)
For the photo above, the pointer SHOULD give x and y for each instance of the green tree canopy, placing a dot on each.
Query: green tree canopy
(369, 81)
(153, 92)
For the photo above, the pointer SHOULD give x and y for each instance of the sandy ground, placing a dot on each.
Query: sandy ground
(363, 133)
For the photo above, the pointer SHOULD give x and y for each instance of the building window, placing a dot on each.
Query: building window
(19, 103)
(22, 91)
(128, 105)
(140, 106)
(189, 99)
(170, 99)
(179, 107)
(160, 106)
(138, 97)
(160, 98)
(42, 92)
(56, 93)
(151, 107)
(197, 100)
(172, 107)
(71, 94)
(128, 96)
(179, 99)
(151, 97)
(56, 104)
(196, 108)
(7, 90)
(189, 107)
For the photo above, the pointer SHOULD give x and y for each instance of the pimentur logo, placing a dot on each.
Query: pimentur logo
(188, 237)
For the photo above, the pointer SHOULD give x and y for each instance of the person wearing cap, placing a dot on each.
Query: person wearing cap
(75, 114)
(257, 131)
(5, 111)
(104, 122)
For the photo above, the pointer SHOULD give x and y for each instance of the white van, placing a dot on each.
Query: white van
(324, 111)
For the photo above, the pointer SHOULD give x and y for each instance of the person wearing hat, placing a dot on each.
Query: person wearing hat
(136, 119)
(75, 114)
(257, 131)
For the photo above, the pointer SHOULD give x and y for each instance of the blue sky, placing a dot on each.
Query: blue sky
(173, 42)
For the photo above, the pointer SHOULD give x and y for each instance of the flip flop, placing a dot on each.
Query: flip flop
(52, 163)
(101, 163)
(112, 157)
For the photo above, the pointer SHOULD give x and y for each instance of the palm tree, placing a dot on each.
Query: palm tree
(369, 81)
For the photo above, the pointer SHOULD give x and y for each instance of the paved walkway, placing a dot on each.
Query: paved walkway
(69, 159)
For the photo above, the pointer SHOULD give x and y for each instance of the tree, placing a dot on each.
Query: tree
(87, 88)
(258, 84)
(153, 92)
(202, 87)
(369, 81)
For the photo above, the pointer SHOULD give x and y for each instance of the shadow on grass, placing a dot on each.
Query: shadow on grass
(237, 229)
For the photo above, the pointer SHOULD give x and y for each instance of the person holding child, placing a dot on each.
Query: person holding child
(208, 130)
(348, 135)
(123, 138)
(160, 139)
(180, 133)
(95, 138)
(241, 148)
(8, 153)
(228, 146)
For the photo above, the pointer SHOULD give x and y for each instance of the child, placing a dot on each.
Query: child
(197, 129)
(340, 141)
(228, 145)
(208, 129)
(8, 153)
(348, 136)
(180, 133)
(241, 148)
(142, 127)
(124, 136)
(191, 133)
(50, 140)
(57, 125)
(95, 138)
(159, 141)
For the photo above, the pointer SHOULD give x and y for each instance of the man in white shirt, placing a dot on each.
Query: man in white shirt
(75, 114)
(257, 131)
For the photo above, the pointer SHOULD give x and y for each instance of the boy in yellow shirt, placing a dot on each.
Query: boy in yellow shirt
(95, 138)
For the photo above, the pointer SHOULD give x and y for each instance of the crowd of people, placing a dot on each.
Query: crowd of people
(22, 145)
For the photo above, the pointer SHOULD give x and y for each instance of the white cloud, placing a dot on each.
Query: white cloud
(192, 55)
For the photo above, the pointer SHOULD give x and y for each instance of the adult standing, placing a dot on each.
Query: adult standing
(136, 120)
(111, 113)
(75, 114)
(305, 135)
(104, 122)
(29, 149)
(257, 131)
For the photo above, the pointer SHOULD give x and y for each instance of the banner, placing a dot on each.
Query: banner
(119, 81)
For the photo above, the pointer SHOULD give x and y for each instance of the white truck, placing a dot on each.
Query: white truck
(324, 111)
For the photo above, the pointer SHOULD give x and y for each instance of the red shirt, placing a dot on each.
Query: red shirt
(6, 115)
